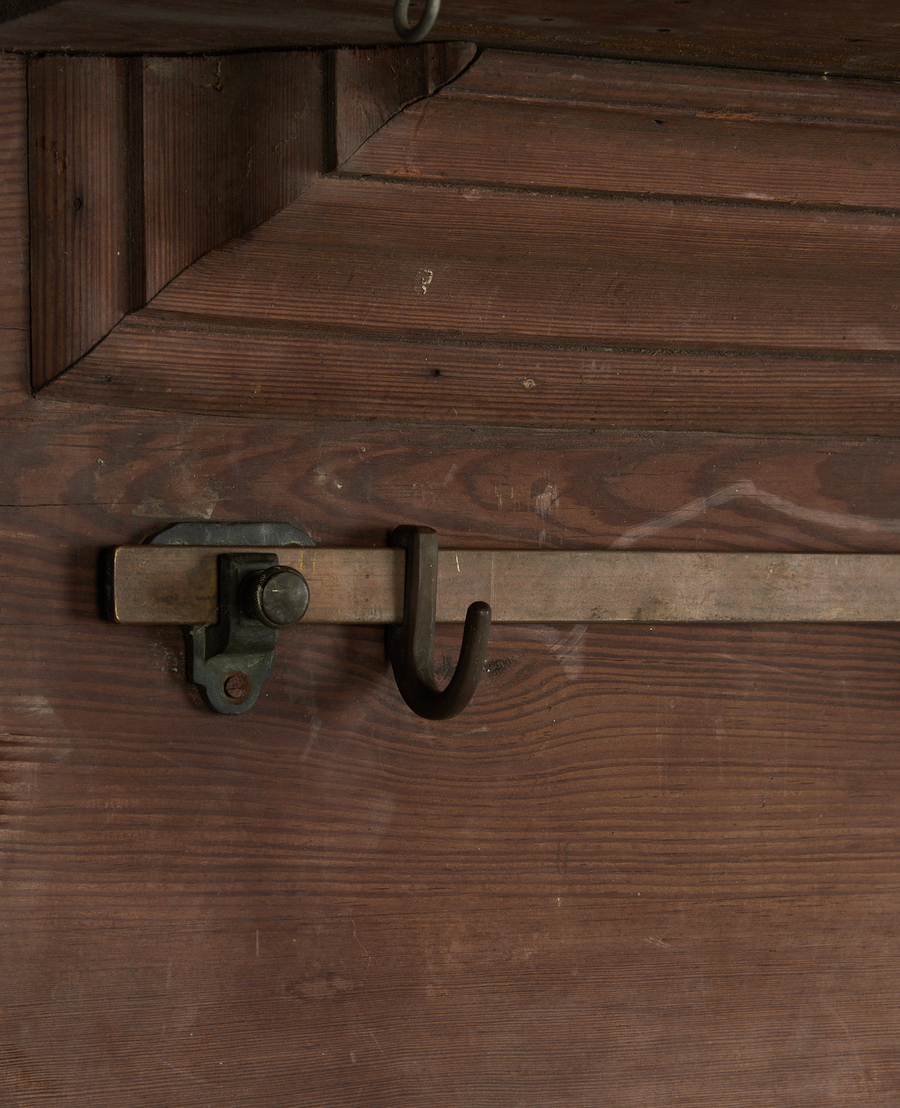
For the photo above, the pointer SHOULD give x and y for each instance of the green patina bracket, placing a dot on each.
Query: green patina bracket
(229, 660)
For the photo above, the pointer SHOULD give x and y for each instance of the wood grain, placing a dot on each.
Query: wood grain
(170, 362)
(414, 302)
(13, 195)
(187, 153)
(620, 128)
(830, 36)
(640, 844)
(370, 86)
(658, 274)
(355, 585)
(83, 166)
(685, 88)
(14, 268)
(228, 141)
(661, 250)
(652, 865)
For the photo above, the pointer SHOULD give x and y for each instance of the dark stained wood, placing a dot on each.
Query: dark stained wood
(370, 86)
(228, 141)
(604, 309)
(622, 128)
(835, 36)
(414, 260)
(650, 865)
(13, 194)
(82, 171)
(174, 363)
(639, 845)
(14, 313)
(686, 88)
(658, 248)
(196, 151)
(15, 9)
(349, 484)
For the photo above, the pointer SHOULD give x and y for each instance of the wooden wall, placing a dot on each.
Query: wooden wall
(818, 36)
(139, 166)
(560, 243)
(649, 866)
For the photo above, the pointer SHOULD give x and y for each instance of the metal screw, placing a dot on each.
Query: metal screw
(277, 597)
(236, 687)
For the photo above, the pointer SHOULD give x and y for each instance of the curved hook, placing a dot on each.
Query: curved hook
(416, 33)
(410, 645)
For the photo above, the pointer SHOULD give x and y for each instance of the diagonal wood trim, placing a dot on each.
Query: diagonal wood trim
(613, 263)
(141, 166)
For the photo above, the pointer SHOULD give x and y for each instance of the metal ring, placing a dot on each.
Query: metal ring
(420, 30)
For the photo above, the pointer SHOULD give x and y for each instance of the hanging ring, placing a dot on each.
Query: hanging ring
(417, 32)
(410, 646)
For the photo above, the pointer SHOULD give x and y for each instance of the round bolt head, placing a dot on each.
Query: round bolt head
(237, 687)
(277, 597)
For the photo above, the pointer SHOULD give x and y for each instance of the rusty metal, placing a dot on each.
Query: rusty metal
(410, 644)
(232, 653)
(177, 585)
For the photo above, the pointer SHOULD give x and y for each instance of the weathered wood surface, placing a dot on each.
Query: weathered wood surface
(152, 584)
(370, 86)
(379, 300)
(14, 306)
(656, 249)
(830, 36)
(13, 195)
(639, 845)
(579, 123)
(182, 155)
(166, 362)
(487, 266)
(228, 141)
(651, 865)
(84, 168)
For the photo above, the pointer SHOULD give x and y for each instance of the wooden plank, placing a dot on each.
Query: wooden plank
(228, 141)
(178, 584)
(614, 127)
(523, 489)
(169, 362)
(532, 309)
(493, 266)
(82, 171)
(14, 268)
(505, 305)
(686, 88)
(828, 36)
(370, 86)
(13, 195)
(594, 868)
(271, 892)
(198, 150)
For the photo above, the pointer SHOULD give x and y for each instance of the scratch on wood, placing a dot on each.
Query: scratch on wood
(360, 945)
(748, 490)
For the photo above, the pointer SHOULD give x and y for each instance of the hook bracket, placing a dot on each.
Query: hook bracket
(410, 645)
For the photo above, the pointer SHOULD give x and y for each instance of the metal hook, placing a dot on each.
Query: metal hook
(410, 645)
(416, 33)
